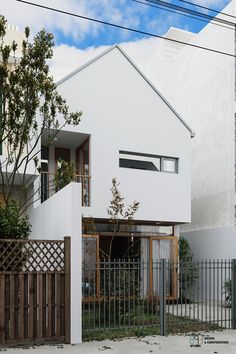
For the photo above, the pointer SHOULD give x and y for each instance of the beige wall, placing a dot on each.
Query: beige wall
(13, 34)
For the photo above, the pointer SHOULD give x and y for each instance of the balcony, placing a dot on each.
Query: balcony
(49, 186)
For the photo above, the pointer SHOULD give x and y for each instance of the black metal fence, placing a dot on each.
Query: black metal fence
(130, 297)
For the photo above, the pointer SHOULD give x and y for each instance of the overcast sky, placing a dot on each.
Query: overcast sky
(79, 40)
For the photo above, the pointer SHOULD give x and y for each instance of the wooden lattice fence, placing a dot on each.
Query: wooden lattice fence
(34, 290)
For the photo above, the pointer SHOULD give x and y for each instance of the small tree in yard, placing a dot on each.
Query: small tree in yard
(29, 108)
(118, 212)
(127, 281)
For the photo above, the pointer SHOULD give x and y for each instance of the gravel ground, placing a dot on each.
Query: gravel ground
(152, 344)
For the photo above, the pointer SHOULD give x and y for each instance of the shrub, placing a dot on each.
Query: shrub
(188, 271)
(227, 290)
(12, 224)
(64, 175)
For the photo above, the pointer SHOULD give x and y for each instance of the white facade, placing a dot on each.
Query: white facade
(201, 85)
(123, 111)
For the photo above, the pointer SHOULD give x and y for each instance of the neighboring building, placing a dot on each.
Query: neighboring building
(201, 85)
(12, 33)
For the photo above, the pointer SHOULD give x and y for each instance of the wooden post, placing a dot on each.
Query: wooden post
(2, 308)
(21, 307)
(67, 268)
(31, 306)
(12, 307)
(40, 306)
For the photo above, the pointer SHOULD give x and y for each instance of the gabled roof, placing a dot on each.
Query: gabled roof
(140, 73)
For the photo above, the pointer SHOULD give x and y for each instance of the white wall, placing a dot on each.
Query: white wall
(201, 86)
(122, 112)
(218, 243)
(57, 217)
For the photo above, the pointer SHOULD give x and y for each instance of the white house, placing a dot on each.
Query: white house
(128, 131)
(201, 85)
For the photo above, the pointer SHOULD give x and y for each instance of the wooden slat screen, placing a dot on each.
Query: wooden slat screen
(33, 304)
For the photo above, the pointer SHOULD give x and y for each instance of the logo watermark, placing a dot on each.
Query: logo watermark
(197, 340)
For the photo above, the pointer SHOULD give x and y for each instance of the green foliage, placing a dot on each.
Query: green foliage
(188, 271)
(31, 105)
(185, 252)
(12, 224)
(227, 290)
(64, 175)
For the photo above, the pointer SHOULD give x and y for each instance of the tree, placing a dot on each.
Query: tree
(118, 212)
(12, 224)
(30, 107)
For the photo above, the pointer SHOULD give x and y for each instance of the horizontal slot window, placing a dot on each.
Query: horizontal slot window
(137, 164)
(148, 162)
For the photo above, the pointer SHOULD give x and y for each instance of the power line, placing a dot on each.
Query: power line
(207, 8)
(191, 12)
(181, 14)
(127, 28)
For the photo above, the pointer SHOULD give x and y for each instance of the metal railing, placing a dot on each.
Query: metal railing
(48, 186)
(129, 297)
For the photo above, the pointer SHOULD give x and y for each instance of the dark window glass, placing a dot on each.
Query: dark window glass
(44, 153)
(137, 164)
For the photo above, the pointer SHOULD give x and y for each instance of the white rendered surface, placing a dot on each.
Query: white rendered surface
(201, 86)
(218, 243)
(57, 217)
(121, 111)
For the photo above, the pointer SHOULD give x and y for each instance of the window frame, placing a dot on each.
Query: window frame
(123, 156)
(176, 162)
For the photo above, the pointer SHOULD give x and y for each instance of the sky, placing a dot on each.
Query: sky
(78, 40)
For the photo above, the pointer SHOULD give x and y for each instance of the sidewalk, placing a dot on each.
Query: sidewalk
(152, 344)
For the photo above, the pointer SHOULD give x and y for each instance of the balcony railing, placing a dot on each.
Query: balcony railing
(48, 186)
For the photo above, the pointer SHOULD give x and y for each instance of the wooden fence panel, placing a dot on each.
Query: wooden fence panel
(7, 305)
(49, 306)
(44, 306)
(12, 307)
(67, 289)
(21, 307)
(59, 306)
(35, 292)
(26, 299)
(31, 307)
(40, 307)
